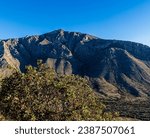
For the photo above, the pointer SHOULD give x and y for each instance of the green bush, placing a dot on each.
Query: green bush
(40, 94)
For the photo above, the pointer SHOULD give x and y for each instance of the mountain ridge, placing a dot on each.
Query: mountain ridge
(114, 67)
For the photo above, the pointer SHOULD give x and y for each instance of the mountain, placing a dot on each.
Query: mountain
(113, 67)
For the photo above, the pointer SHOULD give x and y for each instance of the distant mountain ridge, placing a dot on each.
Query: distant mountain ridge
(113, 67)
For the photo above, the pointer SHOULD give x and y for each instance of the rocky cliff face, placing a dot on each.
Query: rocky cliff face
(113, 67)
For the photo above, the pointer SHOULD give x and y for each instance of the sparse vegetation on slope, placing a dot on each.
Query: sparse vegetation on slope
(133, 109)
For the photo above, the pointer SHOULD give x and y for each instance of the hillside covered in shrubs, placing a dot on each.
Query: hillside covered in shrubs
(41, 94)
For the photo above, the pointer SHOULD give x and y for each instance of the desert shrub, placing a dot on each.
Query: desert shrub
(2, 118)
(40, 94)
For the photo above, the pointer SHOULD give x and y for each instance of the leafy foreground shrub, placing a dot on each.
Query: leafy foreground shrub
(40, 94)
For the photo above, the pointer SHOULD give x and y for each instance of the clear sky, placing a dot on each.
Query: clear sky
(109, 19)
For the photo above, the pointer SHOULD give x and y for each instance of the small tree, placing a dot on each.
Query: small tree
(40, 94)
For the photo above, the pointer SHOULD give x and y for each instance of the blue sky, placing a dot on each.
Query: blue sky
(109, 19)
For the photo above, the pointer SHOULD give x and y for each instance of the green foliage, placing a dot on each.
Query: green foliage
(40, 94)
(2, 118)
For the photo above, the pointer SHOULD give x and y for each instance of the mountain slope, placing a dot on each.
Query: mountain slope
(113, 67)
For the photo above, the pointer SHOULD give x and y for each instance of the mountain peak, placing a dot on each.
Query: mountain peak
(113, 67)
(58, 31)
